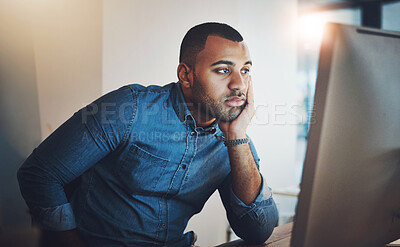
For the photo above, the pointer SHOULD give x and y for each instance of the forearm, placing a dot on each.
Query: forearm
(254, 222)
(255, 212)
(246, 179)
(257, 225)
(247, 198)
(45, 196)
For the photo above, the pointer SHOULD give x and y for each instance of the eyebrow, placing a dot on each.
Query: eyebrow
(228, 62)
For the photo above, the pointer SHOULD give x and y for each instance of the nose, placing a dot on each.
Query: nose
(238, 82)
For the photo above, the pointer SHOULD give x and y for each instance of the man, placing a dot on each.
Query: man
(148, 158)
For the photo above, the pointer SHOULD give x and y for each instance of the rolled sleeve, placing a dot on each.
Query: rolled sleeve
(240, 208)
(59, 218)
(253, 223)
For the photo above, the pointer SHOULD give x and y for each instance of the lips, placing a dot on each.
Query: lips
(235, 101)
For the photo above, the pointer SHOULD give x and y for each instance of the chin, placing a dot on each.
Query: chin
(228, 116)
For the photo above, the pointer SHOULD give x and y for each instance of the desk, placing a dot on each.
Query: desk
(280, 238)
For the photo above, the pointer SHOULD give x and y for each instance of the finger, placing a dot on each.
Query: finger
(250, 93)
(248, 112)
(250, 98)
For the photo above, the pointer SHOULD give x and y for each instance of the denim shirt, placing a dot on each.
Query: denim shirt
(144, 169)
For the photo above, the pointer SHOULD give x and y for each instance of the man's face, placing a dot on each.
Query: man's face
(221, 78)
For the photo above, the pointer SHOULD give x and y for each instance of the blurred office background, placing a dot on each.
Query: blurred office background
(56, 56)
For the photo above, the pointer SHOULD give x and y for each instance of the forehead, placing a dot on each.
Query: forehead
(218, 48)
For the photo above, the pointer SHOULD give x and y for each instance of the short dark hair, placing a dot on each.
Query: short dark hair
(195, 39)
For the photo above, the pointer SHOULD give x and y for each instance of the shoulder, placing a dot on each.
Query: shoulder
(128, 93)
(152, 94)
(121, 95)
(157, 89)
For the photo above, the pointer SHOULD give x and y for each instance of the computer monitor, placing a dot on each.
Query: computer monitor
(350, 188)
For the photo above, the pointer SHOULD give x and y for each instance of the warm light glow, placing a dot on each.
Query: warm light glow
(311, 28)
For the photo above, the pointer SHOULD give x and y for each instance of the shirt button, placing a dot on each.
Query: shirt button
(193, 133)
(163, 225)
(184, 166)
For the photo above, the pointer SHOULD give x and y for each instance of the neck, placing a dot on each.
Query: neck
(201, 119)
(205, 124)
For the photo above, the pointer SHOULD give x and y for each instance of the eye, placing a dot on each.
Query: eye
(223, 71)
(245, 71)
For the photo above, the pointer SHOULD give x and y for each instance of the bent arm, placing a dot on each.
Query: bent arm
(246, 179)
(88, 136)
(250, 208)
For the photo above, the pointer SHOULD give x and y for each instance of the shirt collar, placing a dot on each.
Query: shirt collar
(179, 104)
(183, 113)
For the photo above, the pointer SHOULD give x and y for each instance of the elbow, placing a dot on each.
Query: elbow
(21, 173)
(25, 177)
(259, 226)
(260, 234)
(22, 177)
(19, 176)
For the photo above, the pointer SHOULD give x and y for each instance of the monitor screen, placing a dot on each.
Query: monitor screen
(350, 189)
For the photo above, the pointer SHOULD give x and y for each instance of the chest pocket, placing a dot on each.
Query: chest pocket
(140, 171)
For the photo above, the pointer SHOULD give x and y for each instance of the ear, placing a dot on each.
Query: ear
(185, 75)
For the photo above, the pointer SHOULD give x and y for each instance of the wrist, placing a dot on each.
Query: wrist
(229, 136)
(236, 142)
